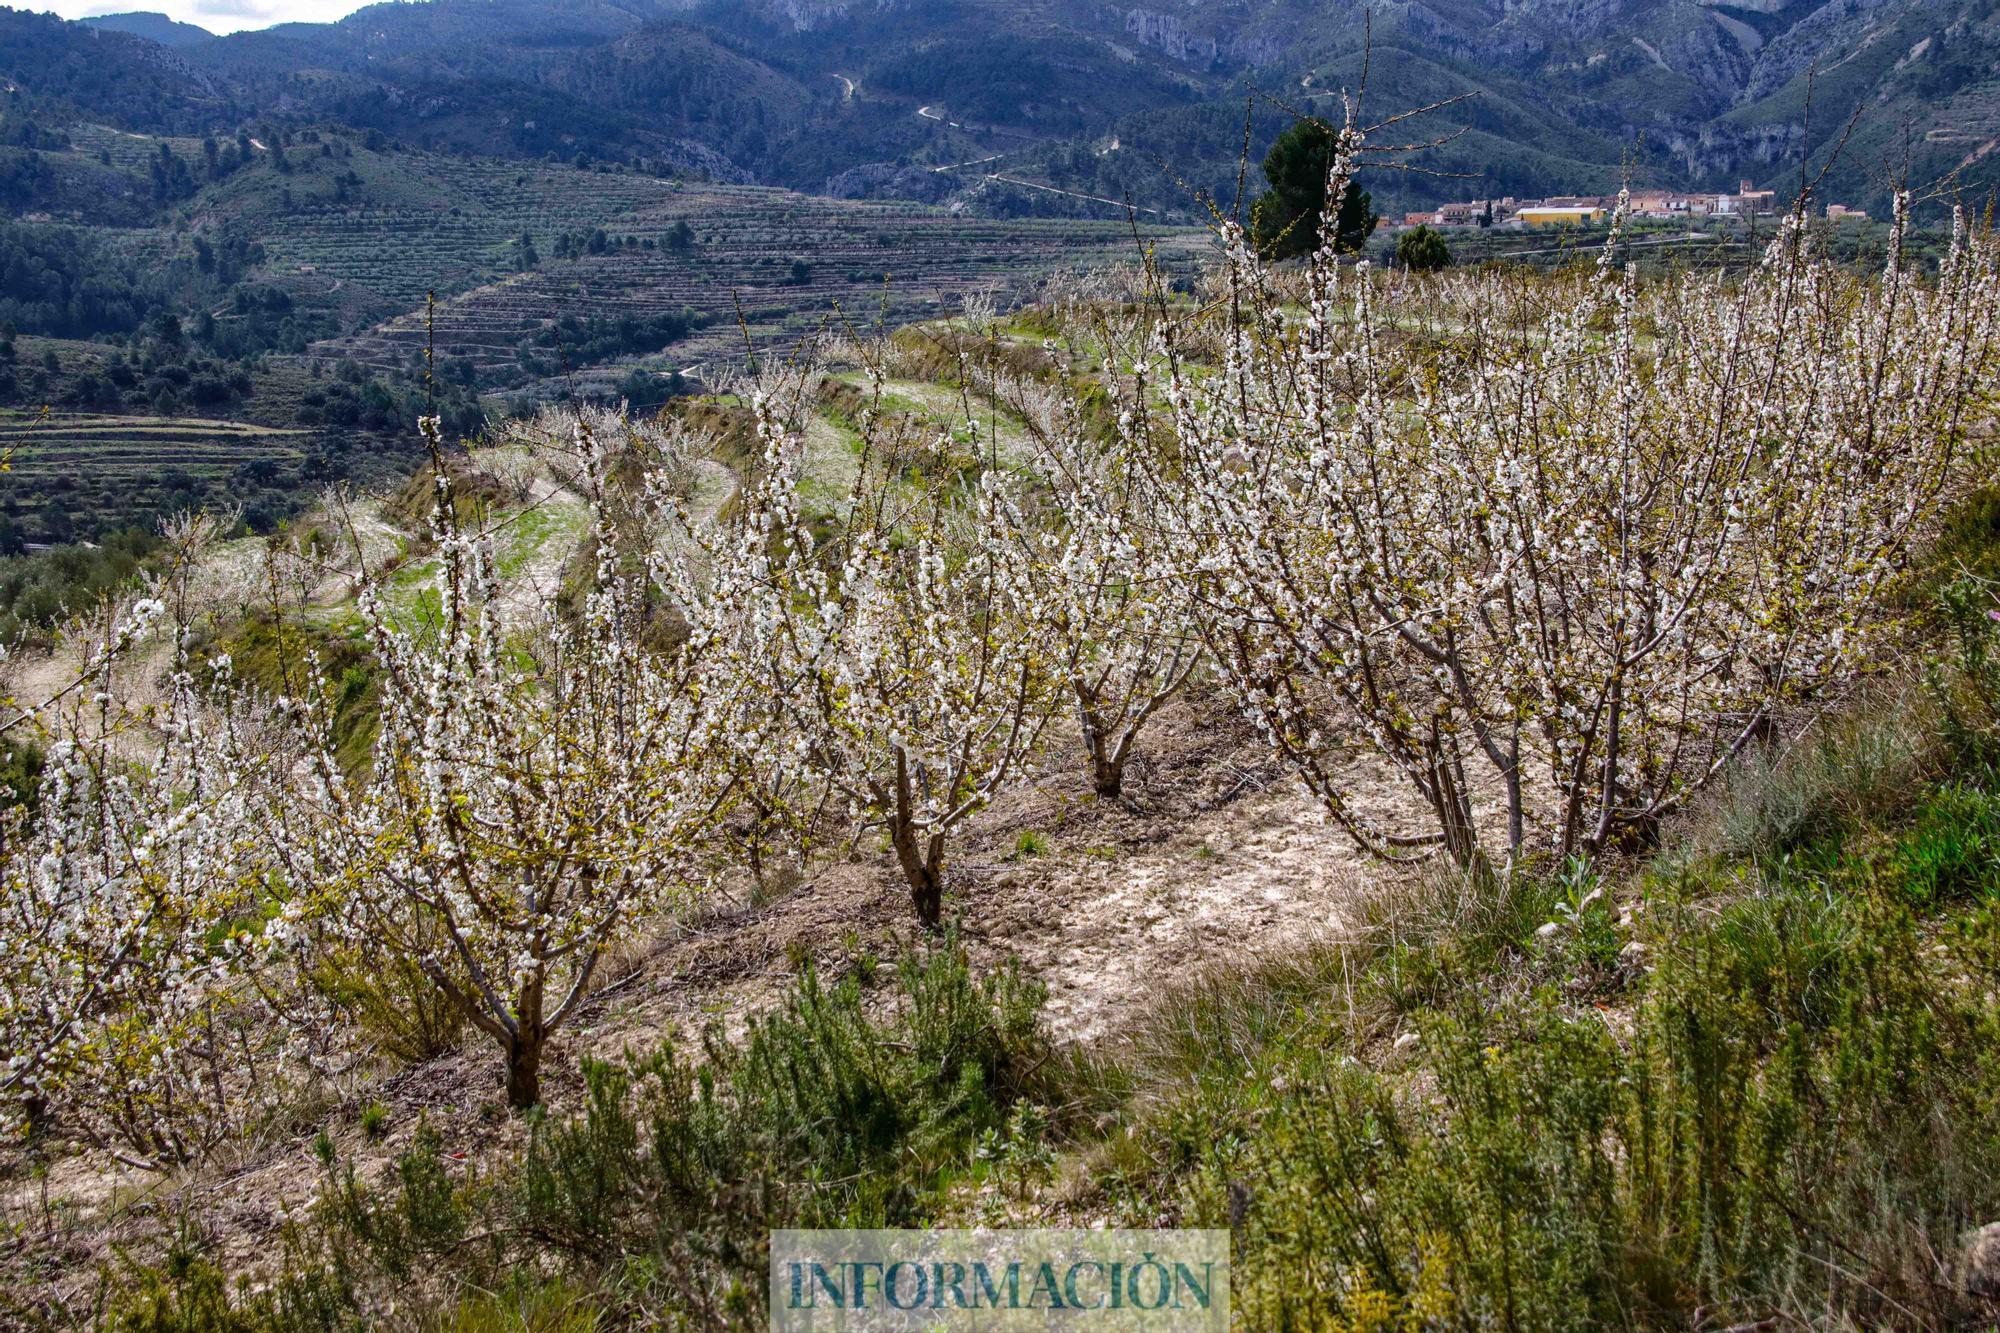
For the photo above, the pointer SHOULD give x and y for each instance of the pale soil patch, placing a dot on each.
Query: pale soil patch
(709, 490)
(381, 543)
(33, 680)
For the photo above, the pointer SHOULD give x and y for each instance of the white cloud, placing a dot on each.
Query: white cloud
(217, 15)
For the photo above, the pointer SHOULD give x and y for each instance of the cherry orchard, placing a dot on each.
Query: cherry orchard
(1556, 571)
(1552, 550)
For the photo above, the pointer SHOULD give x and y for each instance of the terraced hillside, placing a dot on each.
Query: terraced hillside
(66, 468)
(392, 226)
(358, 232)
(286, 279)
(787, 263)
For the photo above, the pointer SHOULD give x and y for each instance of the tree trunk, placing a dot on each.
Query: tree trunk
(1107, 762)
(923, 864)
(524, 1070)
(927, 896)
(1452, 805)
(923, 871)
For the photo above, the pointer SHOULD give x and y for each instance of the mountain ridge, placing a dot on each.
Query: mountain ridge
(153, 26)
(873, 94)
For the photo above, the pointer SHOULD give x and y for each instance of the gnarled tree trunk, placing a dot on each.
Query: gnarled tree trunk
(524, 1068)
(922, 860)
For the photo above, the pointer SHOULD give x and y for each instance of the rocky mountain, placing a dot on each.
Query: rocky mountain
(1037, 106)
(1699, 91)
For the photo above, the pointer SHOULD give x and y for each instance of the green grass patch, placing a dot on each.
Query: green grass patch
(1751, 1084)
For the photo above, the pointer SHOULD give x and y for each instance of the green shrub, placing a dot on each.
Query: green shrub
(38, 592)
(1422, 249)
(1793, 1120)
(402, 1012)
(21, 763)
(1475, 1110)
(186, 1292)
(1969, 544)
(526, 1304)
(1968, 690)
(823, 1116)
(1846, 772)
(850, 1104)
(1952, 849)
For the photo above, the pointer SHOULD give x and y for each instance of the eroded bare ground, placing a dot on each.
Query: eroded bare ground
(1213, 855)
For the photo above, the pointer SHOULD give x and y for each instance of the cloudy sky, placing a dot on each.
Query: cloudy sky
(217, 15)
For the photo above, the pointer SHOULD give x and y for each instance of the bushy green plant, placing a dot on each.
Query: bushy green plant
(1793, 1100)
(525, 1304)
(1952, 848)
(404, 1015)
(1846, 772)
(38, 592)
(406, 1230)
(823, 1116)
(850, 1104)
(188, 1292)
(1968, 690)
(1788, 1108)
(21, 762)
(1286, 218)
(1423, 250)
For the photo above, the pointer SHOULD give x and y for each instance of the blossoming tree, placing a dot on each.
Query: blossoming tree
(1125, 642)
(908, 671)
(130, 896)
(535, 791)
(1557, 570)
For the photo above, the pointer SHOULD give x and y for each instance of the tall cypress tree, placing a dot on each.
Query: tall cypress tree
(1285, 220)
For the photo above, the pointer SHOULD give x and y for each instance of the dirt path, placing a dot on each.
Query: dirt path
(533, 548)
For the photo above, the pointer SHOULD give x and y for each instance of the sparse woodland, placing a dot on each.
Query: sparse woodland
(1575, 560)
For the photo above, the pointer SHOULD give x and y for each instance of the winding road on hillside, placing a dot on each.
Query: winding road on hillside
(932, 113)
(975, 162)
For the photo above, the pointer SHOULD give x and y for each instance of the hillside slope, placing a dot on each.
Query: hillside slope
(849, 97)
